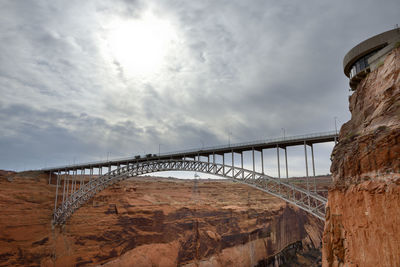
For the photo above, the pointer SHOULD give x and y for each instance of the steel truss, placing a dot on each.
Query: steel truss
(305, 200)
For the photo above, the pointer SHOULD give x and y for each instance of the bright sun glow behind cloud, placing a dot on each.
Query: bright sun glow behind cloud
(140, 46)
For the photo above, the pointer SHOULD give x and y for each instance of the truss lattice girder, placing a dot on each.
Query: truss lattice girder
(308, 201)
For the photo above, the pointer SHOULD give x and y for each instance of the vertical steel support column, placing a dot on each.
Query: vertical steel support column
(70, 183)
(215, 167)
(313, 166)
(101, 170)
(49, 177)
(305, 155)
(82, 176)
(76, 179)
(254, 164)
(64, 190)
(208, 161)
(79, 177)
(262, 161)
(71, 173)
(223, 164)
(308, 186)
(233, 164)
(67, 173)
(279, 164)
(241, 160)
(286, 165)
(279, 167)
(55, 200)
(73, 182)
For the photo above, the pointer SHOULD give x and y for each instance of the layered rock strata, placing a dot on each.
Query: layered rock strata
(363, 213)
(149, 221)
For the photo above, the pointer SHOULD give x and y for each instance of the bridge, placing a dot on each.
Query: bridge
(78, 186)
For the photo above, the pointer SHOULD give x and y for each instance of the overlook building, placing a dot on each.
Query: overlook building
(368, 55)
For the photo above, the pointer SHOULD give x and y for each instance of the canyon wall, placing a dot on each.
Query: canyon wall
(148, 221)
(363, 212)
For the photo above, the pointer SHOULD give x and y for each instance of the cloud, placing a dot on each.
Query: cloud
(245, 68)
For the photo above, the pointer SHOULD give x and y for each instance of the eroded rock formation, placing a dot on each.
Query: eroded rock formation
(363, 215)
(150, 222)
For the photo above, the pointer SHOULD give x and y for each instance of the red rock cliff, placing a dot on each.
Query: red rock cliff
(149, 222)
(363, 214)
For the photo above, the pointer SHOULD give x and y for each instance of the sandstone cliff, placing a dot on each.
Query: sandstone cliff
(363, 214)
(150, 222)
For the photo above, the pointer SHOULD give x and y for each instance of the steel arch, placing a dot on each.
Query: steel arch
(310, 202)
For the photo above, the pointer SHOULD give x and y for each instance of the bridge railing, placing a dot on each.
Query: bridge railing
(193, 150)
(257, 142)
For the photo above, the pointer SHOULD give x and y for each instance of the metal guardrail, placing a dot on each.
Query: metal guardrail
(258, 142)
(203, 149)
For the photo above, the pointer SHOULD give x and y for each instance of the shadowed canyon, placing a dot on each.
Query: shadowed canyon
(153, 221)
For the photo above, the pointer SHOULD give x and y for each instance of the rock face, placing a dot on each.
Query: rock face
(148, 221)
(363, 219)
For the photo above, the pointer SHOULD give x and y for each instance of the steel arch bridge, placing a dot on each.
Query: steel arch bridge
(304, 199)
(78, 189)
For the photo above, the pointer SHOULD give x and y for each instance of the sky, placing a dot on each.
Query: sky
(89, 80)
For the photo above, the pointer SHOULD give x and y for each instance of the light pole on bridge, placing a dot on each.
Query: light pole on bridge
(335, 118)
(159, 149)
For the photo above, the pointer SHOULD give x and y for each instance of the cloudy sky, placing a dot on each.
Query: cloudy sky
(83, 80)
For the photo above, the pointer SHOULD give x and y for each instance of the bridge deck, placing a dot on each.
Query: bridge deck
(217, 150)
